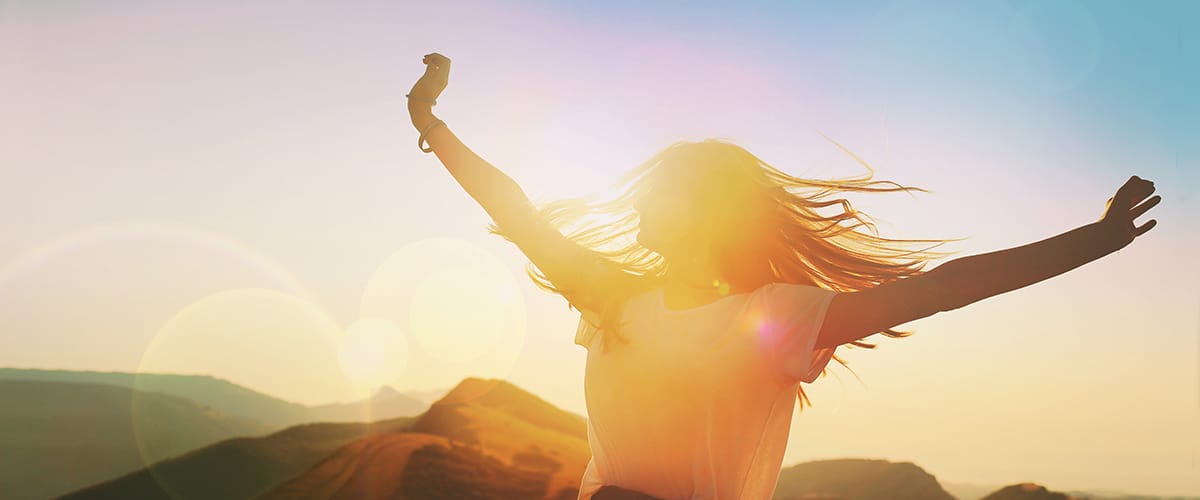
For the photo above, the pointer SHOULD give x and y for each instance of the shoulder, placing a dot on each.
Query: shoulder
(784, 291)
(794, 304)
(591, 318)
(615, 297)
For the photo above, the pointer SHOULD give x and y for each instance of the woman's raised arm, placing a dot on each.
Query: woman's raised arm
(565, 263)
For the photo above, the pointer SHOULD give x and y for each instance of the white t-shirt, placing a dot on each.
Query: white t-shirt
(698, 405)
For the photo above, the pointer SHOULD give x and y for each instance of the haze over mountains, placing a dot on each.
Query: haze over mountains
(90, 435)
(63, 430)
(235, 400)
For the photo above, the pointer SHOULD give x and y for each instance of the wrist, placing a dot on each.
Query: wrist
(1109, 235)
(421, 115)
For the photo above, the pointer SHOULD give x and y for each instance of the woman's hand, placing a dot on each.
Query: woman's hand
(425, 92)
(1124, 206)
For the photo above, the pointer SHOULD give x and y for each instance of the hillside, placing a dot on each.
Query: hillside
(485, 439)
(241, 467)
(235, 400)
(58, 436)
(859, 479)
(1027, 491)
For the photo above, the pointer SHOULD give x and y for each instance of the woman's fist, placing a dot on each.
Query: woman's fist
(1124, 206)
(430, 85)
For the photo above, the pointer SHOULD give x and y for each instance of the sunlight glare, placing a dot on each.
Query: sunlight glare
(453, 312)
(373, 353)
(261, 339)
(460, 306)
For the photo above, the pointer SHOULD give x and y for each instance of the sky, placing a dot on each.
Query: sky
(234, 188)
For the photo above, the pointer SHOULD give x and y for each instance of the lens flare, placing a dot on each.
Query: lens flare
(215, 242)
(460, 306)
(261, 339)
(373, 352)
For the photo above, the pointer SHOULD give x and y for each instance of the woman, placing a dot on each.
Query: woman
(735, 291)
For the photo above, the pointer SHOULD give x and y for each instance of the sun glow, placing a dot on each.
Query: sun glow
(453, 312)
(373, 352)
(245, 328)
(459, 306)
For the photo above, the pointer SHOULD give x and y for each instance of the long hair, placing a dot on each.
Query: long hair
(765, 223)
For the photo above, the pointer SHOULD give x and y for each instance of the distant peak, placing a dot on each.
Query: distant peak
(1028, 491)
(474, 389)
(495, 393)
(385, 391)
(498, 395)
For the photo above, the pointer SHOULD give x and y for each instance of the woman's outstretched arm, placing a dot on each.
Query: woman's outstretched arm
(566, 264)
(966, 280)
(499, 195)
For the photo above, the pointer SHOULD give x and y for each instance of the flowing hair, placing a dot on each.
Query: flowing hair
(766, 221)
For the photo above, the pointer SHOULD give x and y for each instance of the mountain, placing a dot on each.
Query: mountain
(969, 491)
(61, 430)
(58, 436)
(384, 404)
(1033, 491)
(1028, 491)
(1113, 495)
(485, 439)
(235, 400)
(239, 468)
(414, 465)
(428, 396)
(858, 479)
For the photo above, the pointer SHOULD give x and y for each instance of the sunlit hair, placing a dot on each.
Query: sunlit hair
(766, 221)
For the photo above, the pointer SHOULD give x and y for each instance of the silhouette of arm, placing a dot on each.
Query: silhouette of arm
(962, 281)
(584, 276)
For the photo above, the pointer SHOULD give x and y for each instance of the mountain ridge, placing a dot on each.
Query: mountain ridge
(232, 398)
(484, 438)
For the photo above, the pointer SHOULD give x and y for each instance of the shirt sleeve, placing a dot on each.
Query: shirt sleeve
(793, 315)
(589, 327)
